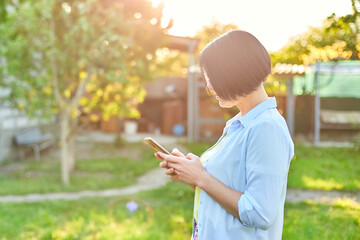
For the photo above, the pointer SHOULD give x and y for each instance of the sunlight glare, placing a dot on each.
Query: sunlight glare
(153, 21)
(156, 3)
(328, 184)
(272, 22)
(66, 7)
(137, 15)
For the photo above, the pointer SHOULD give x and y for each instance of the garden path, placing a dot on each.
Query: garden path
(156, 178)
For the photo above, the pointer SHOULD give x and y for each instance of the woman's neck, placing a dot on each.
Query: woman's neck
(245, 104)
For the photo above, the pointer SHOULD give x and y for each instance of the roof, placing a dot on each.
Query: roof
(288, 70)
(181, 43)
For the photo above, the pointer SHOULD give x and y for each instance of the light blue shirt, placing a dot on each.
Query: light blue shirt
(254, 159)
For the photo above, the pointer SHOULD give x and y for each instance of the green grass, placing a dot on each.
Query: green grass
(313, 168)
(89, 218)
(318, 221)
(325, 169)
(331, 168)
(93, 174)
(172, 206)
(197, 148)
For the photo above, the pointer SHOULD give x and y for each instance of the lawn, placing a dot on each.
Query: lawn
(120, 168)
(89, 218)
(331, 168)
(325, 169)
(172, 206)
(308, 220)
(313, 168)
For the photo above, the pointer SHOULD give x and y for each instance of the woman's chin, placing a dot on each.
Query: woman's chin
(225, 104)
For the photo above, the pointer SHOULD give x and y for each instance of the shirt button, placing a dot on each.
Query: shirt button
(201, 202)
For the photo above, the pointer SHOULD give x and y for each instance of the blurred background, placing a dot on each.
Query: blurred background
(82, 82)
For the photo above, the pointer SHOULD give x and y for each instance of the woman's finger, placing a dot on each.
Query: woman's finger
(174, 177)
(170, 158)
(158, 157)
(170, 171)
(163, 164)
(191, 156)
(172, 165)
(177, 153)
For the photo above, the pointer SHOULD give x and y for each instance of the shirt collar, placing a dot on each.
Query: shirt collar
(252, 114)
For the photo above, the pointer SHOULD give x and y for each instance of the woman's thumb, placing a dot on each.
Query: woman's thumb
(177, 153)
(190, 156)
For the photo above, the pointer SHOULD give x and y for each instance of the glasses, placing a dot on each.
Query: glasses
(210, 91)
(209, 88)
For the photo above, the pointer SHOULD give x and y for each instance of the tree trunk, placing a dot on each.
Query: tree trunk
(71, 153)
(64, 132)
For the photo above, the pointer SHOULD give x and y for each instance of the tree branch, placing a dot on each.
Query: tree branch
(78, 94)
(75, 103)
(76, 128)
(54, 67)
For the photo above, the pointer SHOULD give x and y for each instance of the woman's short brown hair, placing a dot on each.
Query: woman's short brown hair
(236, 63)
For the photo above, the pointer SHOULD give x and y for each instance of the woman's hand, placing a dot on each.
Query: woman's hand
(170, 171)
(186, 169)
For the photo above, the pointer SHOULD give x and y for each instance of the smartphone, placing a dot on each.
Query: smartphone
(155, 145)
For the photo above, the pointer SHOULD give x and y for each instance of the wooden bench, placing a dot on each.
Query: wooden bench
(35, 139)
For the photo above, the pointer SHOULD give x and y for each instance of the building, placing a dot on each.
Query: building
(328, 101)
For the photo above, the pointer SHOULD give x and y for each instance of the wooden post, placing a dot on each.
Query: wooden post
(191, 95)
(290, 106)
(317, 106)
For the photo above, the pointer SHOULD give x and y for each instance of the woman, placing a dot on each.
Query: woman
(240, 182)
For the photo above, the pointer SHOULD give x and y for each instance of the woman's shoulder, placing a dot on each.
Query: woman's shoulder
(270, 120)
(270, 117)
(270, 129)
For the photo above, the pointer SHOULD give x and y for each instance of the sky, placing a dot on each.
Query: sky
(273, 22)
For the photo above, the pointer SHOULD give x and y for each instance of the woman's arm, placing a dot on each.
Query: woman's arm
(191, 171)
(228, 198)
(256, 207)
(267, 162)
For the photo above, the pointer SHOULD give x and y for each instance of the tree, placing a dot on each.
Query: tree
(55, 51)
(213, 30)
(172, 62)
(2, 11)
(337, 34)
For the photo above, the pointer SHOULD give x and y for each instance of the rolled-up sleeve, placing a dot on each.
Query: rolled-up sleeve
(267, 161)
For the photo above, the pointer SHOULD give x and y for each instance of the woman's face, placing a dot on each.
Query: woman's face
(223, 103)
